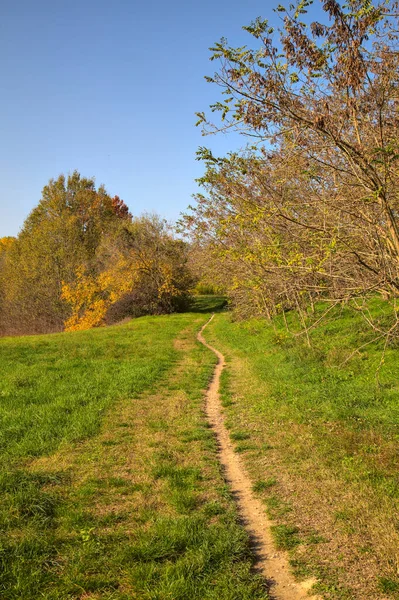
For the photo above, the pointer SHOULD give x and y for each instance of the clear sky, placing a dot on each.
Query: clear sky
(109, 88)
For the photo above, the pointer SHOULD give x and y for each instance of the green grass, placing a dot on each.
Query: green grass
(326, 429)
(262, 485)
(208, 304)
(110, 482)
(56, 388)
(237, 436)
(285, 536)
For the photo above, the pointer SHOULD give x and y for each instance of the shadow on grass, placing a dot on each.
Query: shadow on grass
(207, 304)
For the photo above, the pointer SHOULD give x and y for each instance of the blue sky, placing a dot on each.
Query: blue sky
(110, 89)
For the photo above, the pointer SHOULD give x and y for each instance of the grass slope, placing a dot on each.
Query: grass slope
(110, 484)
(55, 388)
(320, 440)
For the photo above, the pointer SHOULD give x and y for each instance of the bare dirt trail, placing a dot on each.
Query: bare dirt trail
(271, 563)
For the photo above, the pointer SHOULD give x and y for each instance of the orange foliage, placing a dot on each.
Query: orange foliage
(6, 243)
(90, 296)
(138, 269)
(167, 287)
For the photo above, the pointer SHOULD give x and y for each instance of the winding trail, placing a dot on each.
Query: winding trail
(272, 564)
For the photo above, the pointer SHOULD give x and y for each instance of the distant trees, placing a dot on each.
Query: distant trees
(75, 257)
(310, 209)
(5, 246)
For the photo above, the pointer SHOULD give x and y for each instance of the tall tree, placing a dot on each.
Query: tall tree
(62, 233)
(313, 208)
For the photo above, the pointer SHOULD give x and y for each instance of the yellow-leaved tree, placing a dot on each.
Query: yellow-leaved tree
(61, 235)
(140, 268)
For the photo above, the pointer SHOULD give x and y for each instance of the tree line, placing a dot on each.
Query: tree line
(82, 260)
(309, 209)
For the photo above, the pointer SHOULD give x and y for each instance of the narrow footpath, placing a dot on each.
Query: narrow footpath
(273, 564)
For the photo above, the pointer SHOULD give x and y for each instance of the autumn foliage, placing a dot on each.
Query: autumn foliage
(82, 260)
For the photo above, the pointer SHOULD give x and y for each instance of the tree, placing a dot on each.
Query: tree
(140, 268)
(60, 235)
(6, 244)
(311, 209)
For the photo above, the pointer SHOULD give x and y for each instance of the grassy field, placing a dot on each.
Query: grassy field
(110, 486)
(319, 437)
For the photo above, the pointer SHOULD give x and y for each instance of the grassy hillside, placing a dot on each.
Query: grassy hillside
(319, 435)
(110, 484)
(55, 389)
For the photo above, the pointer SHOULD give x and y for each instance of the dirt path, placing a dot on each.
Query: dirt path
(270, 562)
